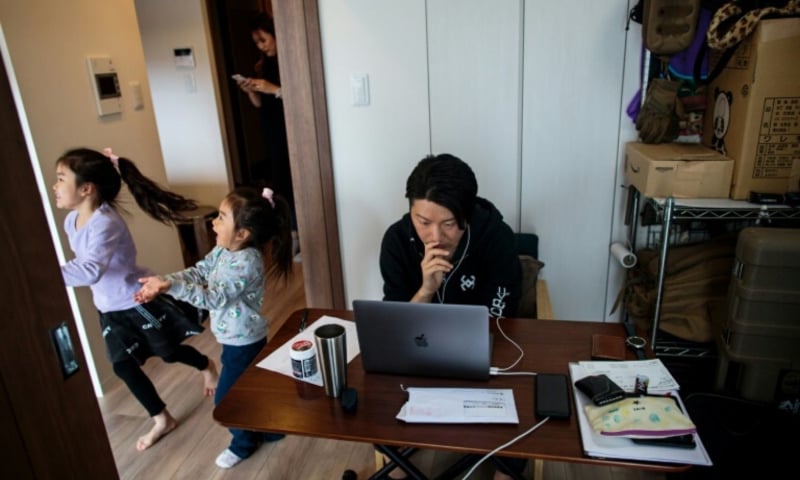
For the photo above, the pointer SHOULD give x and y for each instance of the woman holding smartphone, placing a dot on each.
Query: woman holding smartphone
(264, 92)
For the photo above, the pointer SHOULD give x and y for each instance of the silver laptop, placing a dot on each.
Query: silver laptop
(424, 339)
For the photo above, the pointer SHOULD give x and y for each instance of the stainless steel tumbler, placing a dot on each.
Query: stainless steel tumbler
(332, 356)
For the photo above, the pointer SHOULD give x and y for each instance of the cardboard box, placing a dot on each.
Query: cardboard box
(754, 109)
(677, 170)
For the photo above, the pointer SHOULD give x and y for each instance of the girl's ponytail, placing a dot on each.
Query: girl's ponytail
(165, 206)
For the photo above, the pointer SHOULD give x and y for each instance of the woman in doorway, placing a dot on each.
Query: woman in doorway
(264, 92)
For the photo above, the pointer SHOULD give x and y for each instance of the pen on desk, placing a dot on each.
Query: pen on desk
(303, 319)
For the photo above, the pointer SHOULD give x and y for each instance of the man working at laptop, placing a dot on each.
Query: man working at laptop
(452, 247)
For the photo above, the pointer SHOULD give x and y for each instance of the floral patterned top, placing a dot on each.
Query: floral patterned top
(230, 285)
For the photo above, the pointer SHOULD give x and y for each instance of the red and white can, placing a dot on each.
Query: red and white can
(304, 359)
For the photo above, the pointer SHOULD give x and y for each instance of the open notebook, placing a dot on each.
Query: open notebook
(424, 339)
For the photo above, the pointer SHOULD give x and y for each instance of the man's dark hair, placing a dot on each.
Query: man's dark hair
(446, 180)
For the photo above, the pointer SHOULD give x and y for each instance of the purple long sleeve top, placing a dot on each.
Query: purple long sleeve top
(105, 259)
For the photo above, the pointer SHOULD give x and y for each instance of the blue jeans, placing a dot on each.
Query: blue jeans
(235, 360)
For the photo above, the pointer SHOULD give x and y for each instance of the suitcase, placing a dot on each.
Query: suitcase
(761, 379)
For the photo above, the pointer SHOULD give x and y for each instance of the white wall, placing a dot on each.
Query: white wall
(627, 132)
(554, 153)
(184, 98)
(573, 101)
(47, 44)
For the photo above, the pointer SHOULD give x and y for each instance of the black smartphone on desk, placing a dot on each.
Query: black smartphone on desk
(551, 396)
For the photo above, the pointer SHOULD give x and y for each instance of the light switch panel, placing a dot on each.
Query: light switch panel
(359, 89)
(136, 95)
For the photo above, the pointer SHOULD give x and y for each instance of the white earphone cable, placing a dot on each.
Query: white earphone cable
(510, 442)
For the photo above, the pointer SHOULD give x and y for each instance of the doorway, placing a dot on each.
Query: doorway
(300, 53)
(229, 26)
(257, 146)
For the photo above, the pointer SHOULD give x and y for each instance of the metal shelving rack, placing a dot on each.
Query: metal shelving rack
(670, 210)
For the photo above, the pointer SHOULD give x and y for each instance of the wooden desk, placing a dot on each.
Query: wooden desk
(268, 401)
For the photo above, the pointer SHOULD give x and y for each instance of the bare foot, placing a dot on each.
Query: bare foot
(165, 423)
(210, 378)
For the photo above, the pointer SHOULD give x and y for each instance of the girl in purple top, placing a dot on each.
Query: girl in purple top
(88, 182)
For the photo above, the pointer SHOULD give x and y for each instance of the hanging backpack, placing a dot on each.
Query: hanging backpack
(696, 281)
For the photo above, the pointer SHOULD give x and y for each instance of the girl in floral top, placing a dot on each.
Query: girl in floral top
(229, 283)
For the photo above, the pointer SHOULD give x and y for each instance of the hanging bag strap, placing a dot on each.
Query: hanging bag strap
(735, 20)
(732, 23)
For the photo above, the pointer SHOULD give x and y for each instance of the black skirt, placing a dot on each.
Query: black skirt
(151, 329)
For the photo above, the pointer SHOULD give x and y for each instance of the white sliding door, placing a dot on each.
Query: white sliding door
(474, 62)
(574, 58)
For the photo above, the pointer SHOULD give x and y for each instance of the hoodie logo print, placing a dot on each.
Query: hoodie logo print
(467, 283)
(499, 302)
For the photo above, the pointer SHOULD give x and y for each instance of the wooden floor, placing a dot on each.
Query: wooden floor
(190, 450)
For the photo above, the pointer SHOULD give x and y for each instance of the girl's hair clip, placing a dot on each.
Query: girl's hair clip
(267, 193)
(114, 158)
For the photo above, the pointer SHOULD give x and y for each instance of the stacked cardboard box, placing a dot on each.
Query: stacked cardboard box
(754, 109)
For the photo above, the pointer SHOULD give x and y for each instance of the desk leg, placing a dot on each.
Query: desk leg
(399, 458)
(469, 460)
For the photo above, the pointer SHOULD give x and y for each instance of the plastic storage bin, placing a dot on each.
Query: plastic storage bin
(759, 343)
(763, 318)
(756, 378)
(768, 258)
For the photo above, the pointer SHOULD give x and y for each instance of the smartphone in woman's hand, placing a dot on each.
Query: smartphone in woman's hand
(238, 78)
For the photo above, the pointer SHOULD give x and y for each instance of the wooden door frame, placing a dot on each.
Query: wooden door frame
(303, 84)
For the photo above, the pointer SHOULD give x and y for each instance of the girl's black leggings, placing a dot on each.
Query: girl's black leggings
(140, 385)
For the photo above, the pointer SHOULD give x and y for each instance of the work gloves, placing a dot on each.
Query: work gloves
(658, 120)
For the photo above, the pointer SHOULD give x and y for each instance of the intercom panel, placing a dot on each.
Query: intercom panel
(105, 85)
